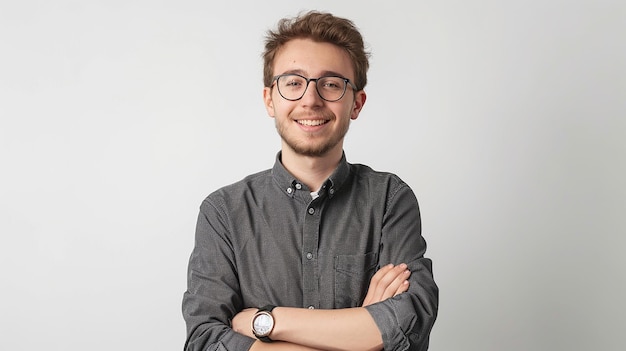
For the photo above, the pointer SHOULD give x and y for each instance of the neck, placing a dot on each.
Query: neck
(312, 171)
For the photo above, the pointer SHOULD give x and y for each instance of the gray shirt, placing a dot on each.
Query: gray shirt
(266, 240)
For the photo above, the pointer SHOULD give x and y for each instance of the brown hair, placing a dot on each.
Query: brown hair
(320, 27)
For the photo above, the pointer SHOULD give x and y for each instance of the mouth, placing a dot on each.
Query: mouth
(312, 122)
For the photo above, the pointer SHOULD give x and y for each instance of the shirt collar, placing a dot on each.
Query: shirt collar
(290, 185)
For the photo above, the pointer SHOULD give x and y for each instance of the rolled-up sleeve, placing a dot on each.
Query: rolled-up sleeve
(212, 297)
(406, 320)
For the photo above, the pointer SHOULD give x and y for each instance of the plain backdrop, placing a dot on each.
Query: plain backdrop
(507, 118)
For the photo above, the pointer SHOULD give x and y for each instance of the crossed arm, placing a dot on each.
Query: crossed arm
(340, 329)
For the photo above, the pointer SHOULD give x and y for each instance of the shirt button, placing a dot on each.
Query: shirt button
(311, 307)
(289, 190)
(331, 191)
(311, 210)
(298, 186)
(309, 256)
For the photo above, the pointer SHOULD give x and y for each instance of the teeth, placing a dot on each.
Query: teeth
(312, 122)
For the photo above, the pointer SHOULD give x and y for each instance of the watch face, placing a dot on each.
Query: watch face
(262, 324)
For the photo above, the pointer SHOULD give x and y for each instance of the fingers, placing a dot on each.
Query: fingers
(388, 281)
(398, 282)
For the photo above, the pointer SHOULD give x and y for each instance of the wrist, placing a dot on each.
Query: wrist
(279, 323)
(286, 323)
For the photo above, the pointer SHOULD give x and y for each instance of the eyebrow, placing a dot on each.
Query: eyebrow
(324, 73)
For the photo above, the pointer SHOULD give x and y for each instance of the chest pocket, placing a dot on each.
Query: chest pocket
(352, 277)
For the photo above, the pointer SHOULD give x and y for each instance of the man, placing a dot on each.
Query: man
(315, 253)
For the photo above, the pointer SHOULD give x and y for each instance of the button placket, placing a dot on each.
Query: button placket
(311, 293)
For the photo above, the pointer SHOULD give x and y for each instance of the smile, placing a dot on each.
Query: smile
(312, 122)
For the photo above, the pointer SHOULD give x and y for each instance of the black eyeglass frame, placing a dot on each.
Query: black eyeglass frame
(309, 80)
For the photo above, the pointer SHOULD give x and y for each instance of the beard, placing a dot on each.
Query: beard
(312, 144)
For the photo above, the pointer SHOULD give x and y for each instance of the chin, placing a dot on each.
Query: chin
(319, 151)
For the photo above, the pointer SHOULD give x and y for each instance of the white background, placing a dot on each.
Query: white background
(506, 118)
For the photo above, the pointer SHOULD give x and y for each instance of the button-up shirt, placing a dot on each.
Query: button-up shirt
(267, 240)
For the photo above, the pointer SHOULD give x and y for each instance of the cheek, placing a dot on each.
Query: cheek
(347, 111)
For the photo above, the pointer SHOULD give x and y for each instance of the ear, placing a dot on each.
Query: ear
(268, 101)
(359, 101)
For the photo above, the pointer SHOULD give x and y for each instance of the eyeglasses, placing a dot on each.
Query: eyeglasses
(330, 88)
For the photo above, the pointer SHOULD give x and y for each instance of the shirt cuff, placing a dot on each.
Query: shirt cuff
(386, 318)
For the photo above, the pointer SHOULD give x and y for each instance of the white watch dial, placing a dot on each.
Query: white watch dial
(263, 324)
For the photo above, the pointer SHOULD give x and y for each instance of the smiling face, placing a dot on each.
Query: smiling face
(312, 126)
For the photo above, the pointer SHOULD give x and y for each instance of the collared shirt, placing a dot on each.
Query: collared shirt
(266, 240)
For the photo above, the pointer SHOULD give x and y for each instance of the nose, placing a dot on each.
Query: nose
(311, 96)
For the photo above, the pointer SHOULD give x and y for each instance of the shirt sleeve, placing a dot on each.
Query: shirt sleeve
(405, 321)
(213, 295)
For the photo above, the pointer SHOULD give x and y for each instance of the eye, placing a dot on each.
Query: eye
(292, 81)
(332, 83)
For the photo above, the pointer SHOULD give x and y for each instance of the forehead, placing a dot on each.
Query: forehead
(312, 59)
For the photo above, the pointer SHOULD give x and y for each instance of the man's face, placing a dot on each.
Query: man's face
(312, 126)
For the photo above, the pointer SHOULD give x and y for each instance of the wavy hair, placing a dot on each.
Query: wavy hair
(319, 27)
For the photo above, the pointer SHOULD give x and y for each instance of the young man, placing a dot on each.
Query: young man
(315, 253)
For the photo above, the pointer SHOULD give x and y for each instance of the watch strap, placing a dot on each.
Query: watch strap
(266, 308)
(264, 338)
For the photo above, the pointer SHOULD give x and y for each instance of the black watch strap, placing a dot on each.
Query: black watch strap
(267, 308)
(264, 338)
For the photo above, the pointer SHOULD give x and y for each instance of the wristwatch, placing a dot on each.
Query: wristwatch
(263, 323)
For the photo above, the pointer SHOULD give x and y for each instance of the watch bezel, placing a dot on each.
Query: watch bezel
(265, 311)
(270, 326)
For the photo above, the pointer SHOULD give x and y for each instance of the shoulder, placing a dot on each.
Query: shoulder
(365, 174)
(382, 188)
(380, 184)
(241, 189)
